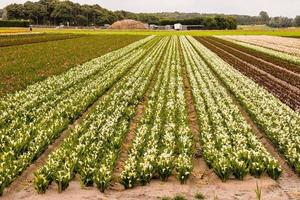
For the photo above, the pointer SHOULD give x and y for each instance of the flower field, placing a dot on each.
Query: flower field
(281, 51)
(96, 103)
(287, 45)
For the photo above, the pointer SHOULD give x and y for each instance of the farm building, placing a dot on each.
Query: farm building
(129, 24)
(156, 27)
(179, 27)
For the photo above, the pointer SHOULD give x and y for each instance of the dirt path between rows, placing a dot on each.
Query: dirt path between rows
(201, 174)
(131, 134)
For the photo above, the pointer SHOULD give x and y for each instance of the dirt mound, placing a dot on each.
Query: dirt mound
(128, 24)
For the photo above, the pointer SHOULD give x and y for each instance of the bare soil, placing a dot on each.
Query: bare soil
(230, 190)
(130, 135)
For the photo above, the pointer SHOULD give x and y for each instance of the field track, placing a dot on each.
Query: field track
(280, 81)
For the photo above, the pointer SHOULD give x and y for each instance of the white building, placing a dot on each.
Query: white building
(178, 27)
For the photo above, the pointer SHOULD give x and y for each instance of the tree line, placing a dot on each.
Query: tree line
(279, 22)
(216, 22)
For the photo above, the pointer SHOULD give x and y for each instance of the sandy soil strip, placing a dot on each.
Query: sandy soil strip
(201, 174)
(131, 132)
(130, 135)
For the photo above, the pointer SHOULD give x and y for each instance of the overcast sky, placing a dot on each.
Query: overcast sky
(289, 8)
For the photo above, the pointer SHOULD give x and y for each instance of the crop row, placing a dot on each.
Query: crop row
(24, 104)
(32, 119)
(271, 52)
(25, 65)
(10, 40)
(92, 148)
(284, 44)
(163, 140)
(279, 122)
(229, 145)
(253, 68)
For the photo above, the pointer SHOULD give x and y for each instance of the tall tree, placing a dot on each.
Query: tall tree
(15, 11)
(35, 12)
(264, 16)
(1, 12)
(62, 12)
(297, 20)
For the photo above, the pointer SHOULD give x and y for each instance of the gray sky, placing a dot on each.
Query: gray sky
(289, 8)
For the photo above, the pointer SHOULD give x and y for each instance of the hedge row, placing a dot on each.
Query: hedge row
(14, 23)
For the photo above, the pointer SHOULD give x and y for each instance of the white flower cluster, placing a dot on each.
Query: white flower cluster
(30, 120)
(279, 122)
(163, 140)
(229, 145)
(92, 148)
(278, 54)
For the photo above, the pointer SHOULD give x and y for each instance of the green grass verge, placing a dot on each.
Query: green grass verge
(26, 64)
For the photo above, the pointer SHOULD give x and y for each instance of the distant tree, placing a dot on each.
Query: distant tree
(210, 23)
(50, 6)
(15, 11)
(297, 20)
(280, 22)
(35, 12)
(4, 14)
(81, 20)
(62, 12)
(1, 12)
(264, 16)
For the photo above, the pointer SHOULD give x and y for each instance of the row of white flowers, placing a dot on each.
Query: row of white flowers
(23, 104)
(229, 145)
(163, 140)
(279, 122)
(92, 148)
(284, 56)
(28, 134)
